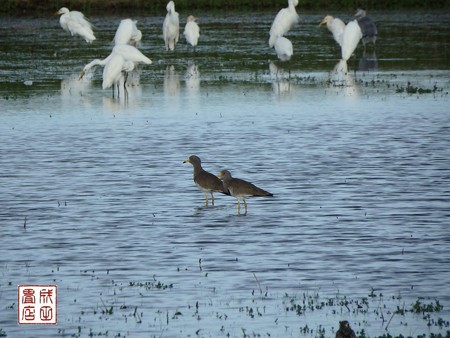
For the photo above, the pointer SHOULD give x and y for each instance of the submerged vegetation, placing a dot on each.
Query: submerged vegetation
(410, 89)
(39, 7)
(132, 307)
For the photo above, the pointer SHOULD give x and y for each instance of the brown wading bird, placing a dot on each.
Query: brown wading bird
(207, 182)
(240, 189)
(345, 331)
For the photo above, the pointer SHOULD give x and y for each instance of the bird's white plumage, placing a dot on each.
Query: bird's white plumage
(132, 54)
(283, 48)
(350, 39)
(123, 58)
(75, 23)
(336, 26)
(127, 33)
(171, 27)
(283, 22)
(192, 31)
(114, 68)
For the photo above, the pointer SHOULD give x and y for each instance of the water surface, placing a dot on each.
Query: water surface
(95, 196)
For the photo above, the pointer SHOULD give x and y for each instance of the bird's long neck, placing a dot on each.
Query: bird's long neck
(291, 5)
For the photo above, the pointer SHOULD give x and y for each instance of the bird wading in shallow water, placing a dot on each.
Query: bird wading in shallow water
(207, 182)
(336, 26)
(171, 27)
(368, 27)
(75, 23)
(123, 58)
(283, 48)
(192, 31)
(240, 189)
(283, 22)
(345, 331)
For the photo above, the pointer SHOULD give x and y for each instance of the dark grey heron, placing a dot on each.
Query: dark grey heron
(368, 27)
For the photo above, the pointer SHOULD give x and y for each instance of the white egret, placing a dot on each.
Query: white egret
(192, 31)
(127, 33)
(283, 22)
(75, 23)
(350, 39)
(114, 69)
(171, 27)
(336, 26)
(368, 27)
(123, 58)
(283, 48)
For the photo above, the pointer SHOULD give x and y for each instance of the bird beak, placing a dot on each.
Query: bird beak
(82, 74)
(219, 175)
(186, 161)
(322, 22)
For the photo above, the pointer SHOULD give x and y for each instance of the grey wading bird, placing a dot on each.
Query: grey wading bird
(240, 189)
(205, 181)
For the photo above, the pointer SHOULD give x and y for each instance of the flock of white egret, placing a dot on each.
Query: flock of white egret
(125, 56)
(348, 36)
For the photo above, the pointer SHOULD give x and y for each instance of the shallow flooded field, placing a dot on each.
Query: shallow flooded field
(95, 198)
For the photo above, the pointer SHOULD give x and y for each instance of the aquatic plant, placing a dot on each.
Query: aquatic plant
(410, 89)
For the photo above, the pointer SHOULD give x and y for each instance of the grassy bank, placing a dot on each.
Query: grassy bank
(44, 7)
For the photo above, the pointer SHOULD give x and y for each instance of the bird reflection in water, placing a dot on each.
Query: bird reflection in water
(73, 86)
(131, 98)
(281, 84)
(368, 62)
(341, 77)
(171, 83)
(192, 78)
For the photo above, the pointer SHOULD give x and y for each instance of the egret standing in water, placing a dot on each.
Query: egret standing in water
(350, 39)
(123, 59)
(75, 23)
(368, 27)
(283, 22)
(283, 48)
(171, 27)
(336, 26)
(192, 31)
(127, 33)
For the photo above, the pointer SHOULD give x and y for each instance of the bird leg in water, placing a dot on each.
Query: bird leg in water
(125, 79)
(212, 198)
(239, 207)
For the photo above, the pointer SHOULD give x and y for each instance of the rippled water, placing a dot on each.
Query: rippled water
(95, 197)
